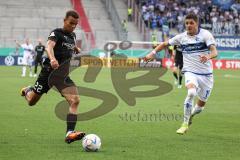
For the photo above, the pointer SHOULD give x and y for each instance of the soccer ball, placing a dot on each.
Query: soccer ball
(91, 143)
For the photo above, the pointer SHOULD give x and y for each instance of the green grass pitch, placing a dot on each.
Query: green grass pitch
(35, 133)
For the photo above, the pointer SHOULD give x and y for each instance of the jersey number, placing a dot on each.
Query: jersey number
(38, 87)
(207, 94)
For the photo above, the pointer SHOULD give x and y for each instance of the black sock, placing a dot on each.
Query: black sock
(35, 69)
(71, 121)
(175, 75)
(180, 79)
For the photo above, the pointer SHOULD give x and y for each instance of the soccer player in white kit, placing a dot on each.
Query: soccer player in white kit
(198, 48)
(27, 56)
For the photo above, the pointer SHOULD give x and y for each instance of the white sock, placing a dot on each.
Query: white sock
(24, 70)
(68, 133)
(188, 104)
(197, 109)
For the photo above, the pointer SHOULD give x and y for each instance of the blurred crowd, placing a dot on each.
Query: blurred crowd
(159, 14)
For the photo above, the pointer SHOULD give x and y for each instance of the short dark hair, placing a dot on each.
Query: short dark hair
(72, 13)
(192, 16)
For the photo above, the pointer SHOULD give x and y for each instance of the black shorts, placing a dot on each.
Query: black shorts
(49, 78)
(38, 60)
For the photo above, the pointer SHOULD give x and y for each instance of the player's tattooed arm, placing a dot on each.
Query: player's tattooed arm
(50, 53)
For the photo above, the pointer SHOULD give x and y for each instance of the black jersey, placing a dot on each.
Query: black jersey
(178, 54)
(40, 50)
(63, 50)
(65, 43)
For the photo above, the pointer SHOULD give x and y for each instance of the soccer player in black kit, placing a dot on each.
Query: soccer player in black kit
(60, 47)
(178, 65)
(39, 49)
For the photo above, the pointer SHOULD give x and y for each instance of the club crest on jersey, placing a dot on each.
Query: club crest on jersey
(197, 39)
(65, 37)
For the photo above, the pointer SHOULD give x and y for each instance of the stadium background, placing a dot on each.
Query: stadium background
(27, 133)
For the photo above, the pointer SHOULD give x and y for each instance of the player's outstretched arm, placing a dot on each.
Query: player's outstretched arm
(17, 43)
(50, 53)
(157, 49)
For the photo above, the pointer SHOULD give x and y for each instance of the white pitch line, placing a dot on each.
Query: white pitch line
(231, 76)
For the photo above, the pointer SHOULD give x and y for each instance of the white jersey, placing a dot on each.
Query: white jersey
(27, 54)
(27, 49)
(192, 48)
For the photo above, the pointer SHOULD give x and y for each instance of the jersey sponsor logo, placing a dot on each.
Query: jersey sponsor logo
(40, 49)
(68, 45)
(195, 47)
